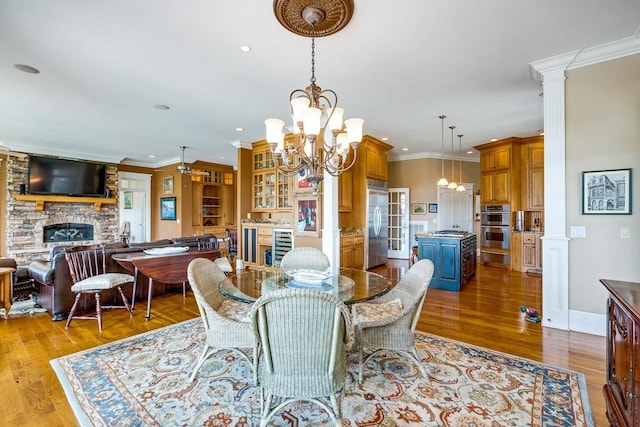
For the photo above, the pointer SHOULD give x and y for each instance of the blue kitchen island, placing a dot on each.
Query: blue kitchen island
(453, 254)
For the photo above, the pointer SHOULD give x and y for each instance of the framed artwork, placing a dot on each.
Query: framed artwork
(167, 185)
(127, 199)
(301, 185)
(433, 208)
(308, 216)
(606, 192)
(419, 208)
(168, 208)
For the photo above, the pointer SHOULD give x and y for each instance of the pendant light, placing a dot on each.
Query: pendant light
(452, 184)
(460, 187)
(442, 182)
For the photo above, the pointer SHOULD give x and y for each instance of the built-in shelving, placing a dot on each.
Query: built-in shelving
(40, 199)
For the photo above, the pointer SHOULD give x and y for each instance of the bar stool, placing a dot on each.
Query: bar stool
(414, 255)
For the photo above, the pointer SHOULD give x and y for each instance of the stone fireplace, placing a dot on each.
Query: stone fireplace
(31, 233)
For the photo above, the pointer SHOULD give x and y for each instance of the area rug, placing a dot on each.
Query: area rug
(27, 306)
(143, 381)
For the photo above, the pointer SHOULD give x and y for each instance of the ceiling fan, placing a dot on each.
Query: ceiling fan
(183, 168)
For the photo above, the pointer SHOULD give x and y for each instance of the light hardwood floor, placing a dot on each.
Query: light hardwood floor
(486, 313)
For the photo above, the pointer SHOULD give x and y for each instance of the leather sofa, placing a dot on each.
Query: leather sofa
(53, 280)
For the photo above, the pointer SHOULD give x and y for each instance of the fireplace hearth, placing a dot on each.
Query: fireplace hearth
(67, 232)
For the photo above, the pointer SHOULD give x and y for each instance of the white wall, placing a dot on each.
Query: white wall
(602, 132)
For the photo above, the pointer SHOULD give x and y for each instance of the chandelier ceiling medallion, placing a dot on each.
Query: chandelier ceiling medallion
(313, 109)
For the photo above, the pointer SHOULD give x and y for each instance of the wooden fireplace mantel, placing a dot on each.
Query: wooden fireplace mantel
(40, 199)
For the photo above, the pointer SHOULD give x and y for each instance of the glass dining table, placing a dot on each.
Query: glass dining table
(350, 285)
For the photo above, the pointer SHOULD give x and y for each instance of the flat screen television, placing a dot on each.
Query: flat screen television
(50, 175)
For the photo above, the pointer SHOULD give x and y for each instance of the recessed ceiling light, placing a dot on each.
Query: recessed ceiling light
(239, 129)
(245, 48)
(405, 149)
(152, 156)
(493, 139)
(27, 68)
(384, 138)
(161, 107)
(469, 152)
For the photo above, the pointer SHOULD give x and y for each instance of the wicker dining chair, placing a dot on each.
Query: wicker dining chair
(388, 323)
(88, 268)
(226, 322)
(304, 334)
(305, 258)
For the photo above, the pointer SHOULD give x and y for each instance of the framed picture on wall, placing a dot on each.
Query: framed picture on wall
(301, 184)
(308, 217)
(168, 208)
(167, 185)
(419, 208)
(127, 199)
(606, 192)
(433, 208)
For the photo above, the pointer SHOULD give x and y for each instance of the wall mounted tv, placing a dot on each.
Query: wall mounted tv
(50, 175)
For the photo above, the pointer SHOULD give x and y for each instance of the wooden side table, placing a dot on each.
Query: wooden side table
(5, 288)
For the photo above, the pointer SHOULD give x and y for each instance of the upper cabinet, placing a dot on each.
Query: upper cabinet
(533, 161)
(499, 172)
(271, 188)
(376, 160)
(512, 172)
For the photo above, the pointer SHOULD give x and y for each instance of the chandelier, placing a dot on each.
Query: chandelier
(322, 140)
(460, 187)
(452, 184)
(442, 182)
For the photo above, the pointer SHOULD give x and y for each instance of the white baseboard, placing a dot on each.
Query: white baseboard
(589, 323)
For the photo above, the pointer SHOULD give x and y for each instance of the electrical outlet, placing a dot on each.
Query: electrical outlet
(625, 232)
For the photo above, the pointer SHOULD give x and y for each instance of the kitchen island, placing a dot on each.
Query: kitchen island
(453, 254)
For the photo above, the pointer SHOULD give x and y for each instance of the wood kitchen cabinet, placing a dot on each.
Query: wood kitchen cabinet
(533, 173)
(376, 161)
(345, 191)
(526, 251)
(622, 386)
(500, 172)
(271, 188)
(352, 251)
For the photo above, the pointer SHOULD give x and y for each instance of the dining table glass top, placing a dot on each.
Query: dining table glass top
(350, 285)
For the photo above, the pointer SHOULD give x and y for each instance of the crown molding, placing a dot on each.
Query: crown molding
(585, 57)
(241, 144)
(474, 158)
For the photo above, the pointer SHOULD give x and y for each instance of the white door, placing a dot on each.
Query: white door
(134, 204)
(455, 209)
(399, 244)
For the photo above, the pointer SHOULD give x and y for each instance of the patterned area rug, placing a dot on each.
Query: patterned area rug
(27, 306)
(143, 380)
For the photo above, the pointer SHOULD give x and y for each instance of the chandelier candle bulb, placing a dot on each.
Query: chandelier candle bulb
(354, 131)
(335, 118)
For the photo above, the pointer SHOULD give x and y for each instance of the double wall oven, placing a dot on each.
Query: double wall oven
(495, 226)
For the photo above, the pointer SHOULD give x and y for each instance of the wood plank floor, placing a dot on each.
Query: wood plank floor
(487, 313)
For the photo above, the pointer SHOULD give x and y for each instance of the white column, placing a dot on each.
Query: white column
(330, 226)
(555, 246)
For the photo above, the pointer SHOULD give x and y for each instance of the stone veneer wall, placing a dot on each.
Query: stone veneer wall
(24, 231)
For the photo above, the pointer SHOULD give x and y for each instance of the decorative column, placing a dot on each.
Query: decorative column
(330, 226)
(555, 247)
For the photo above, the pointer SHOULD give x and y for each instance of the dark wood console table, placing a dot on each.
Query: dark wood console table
(622, 390)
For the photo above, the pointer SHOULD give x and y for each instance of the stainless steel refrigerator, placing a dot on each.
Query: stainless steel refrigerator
(377, 223)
